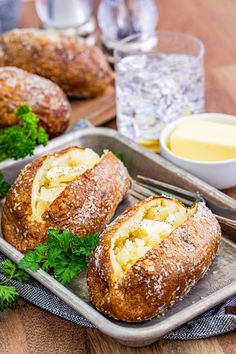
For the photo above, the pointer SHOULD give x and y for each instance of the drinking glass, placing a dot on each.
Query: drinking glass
(124, 18)
(159, 78)
(69, 17)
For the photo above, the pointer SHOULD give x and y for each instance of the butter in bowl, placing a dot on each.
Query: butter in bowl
(204, 145)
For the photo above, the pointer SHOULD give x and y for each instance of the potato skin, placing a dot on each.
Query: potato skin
(80, 70)
(162, 276)
(46, 99)
(84, 207)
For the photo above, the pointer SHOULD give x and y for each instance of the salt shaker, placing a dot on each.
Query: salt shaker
(118, 19)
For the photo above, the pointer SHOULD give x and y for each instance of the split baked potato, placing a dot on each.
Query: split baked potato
(80, 70)
(46, 99)
(72, 189)
(150, 257)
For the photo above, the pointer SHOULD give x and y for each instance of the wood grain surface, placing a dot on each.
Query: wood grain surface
(26, 329)
(98, 110)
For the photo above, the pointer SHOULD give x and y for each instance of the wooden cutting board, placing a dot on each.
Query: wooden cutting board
(98, 110)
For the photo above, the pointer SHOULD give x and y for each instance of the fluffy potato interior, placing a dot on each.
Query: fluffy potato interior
(56, 174)
(142, 232)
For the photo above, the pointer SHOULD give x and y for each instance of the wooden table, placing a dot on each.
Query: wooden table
(28, 329)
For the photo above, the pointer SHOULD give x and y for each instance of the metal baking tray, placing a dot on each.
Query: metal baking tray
(219, 283)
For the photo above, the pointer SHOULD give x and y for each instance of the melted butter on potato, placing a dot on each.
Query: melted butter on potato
(56, 174)
(144, 231)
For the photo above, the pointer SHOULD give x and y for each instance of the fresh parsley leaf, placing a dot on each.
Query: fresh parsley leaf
(42, 136)
(65, 272)
(8, 296)
(11, 271)
(92, 241)
(22, 109)
(119, 155)
(65, 255)
(20, 140)
(33, 259)
(4, 186)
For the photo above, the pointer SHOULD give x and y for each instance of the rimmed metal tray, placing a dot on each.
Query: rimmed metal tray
(218, 284)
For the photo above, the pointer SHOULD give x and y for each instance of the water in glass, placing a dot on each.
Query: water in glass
(153, 90)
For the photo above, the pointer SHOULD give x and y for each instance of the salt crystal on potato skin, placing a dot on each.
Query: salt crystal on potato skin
(162, 276)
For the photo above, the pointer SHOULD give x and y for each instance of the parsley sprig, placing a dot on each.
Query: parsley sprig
(9, 294)
(64, 255)
(118, 155)
(4, 186)
(20, 140)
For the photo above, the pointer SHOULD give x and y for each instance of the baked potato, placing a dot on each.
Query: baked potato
(72, 189)
(150, 257)
(46, 99)
(80, 70)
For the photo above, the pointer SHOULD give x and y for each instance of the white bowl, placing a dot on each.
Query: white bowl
(220, 174)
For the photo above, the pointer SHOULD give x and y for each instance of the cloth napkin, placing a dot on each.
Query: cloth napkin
(220, 319)
(211, 323)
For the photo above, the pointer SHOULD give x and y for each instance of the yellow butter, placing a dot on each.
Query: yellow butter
(204, 140)
(153, 145)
